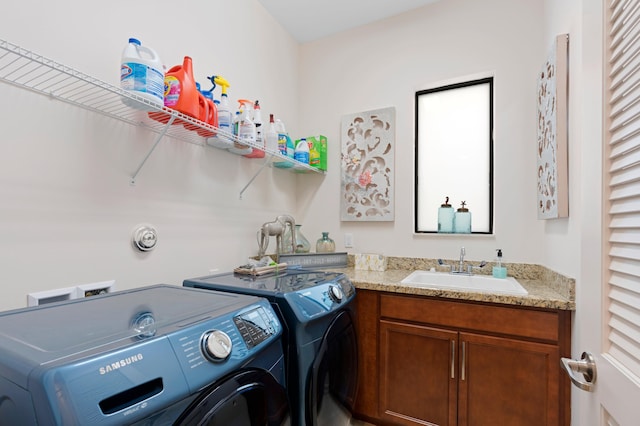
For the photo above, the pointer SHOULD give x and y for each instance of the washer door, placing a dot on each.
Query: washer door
(334, 374)
(249, 398)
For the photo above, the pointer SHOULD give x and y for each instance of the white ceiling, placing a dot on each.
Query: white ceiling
(308, 20)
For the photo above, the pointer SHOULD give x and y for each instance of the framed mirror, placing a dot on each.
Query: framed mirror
(454, 153)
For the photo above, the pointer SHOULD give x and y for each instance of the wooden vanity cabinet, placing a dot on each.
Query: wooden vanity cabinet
(430, 361)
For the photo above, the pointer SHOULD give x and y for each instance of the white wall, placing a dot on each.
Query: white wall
(383, 65)
(67, 210)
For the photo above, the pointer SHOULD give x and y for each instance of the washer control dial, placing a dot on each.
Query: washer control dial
(335, 293)
(216, 345)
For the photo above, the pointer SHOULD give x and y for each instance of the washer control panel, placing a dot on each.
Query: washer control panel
(255, 326)
(209, 349)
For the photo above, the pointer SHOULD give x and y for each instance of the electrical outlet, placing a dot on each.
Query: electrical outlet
(348, 240)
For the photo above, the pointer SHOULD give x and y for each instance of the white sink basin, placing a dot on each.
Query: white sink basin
(477, 283)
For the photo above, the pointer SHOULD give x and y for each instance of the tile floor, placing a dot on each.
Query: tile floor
(335, 415)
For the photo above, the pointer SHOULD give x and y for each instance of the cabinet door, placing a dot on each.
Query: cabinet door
(508, 382)
(418, 369)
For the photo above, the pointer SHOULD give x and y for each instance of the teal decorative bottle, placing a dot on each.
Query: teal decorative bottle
(325, 244)
(462, 220)
(445, 218)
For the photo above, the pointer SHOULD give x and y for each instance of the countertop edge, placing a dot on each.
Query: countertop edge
(547, 289)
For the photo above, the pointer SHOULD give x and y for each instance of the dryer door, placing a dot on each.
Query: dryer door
(334, 373)
(248, 398)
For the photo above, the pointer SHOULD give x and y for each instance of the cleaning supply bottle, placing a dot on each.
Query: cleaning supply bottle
(499, 271)
(285, 146)
(260, 141)
(301, 152)
(223, 138)
(271, 136)
(209, 113)
(180, 92)
(246, 130)
(282, 137)
(141, 74)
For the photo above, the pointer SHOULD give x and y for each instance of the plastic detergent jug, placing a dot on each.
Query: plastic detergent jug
(209, 114)
(180, 92)
(141, 74)
(260, 141)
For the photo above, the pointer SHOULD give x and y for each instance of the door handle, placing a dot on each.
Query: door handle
(586, 366)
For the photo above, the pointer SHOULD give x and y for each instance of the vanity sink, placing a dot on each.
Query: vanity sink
(477, 283)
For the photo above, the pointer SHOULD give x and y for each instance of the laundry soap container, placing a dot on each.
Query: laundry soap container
(181, 93)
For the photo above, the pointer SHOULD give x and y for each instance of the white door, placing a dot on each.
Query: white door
(607, 320)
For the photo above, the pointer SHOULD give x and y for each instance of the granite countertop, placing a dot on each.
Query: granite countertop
(546, 288)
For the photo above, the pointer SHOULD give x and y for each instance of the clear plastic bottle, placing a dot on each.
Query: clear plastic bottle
(223, 139)
(260, 140)
(272, 136)
(244, 130)
(282, 137)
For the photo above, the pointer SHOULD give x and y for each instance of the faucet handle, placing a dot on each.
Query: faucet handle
(441, 263)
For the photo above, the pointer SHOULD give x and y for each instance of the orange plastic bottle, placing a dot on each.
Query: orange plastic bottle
(180, 92)
(209, 115)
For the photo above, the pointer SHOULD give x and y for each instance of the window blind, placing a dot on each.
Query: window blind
(623, 178)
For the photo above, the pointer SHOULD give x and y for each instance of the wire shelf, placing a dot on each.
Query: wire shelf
(27, 70)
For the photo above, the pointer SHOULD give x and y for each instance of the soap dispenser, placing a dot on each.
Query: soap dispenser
(499, 271)
(445, 218)
(462, 220)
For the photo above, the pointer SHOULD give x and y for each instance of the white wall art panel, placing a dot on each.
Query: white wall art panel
(368, 140)
(552, 162)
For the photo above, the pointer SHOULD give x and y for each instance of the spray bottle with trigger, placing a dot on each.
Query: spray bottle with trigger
(260, 139)
(246, 130)
(224, 138)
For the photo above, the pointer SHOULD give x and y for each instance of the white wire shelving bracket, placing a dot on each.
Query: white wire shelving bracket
(27, 70)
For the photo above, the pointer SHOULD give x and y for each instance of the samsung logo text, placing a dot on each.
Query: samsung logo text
(120, 363)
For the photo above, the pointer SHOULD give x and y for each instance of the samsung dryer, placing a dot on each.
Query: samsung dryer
(317, 310)
(158, 355)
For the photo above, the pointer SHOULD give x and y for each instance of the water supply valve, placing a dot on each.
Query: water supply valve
(145, 238)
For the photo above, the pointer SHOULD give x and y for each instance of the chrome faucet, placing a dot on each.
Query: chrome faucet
(461, 269)
(461, 263)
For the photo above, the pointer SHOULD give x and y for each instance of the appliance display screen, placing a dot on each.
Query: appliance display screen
(254, 326)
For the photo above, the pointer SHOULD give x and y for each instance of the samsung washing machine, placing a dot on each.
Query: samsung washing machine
(159, 355)
(317, 311)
